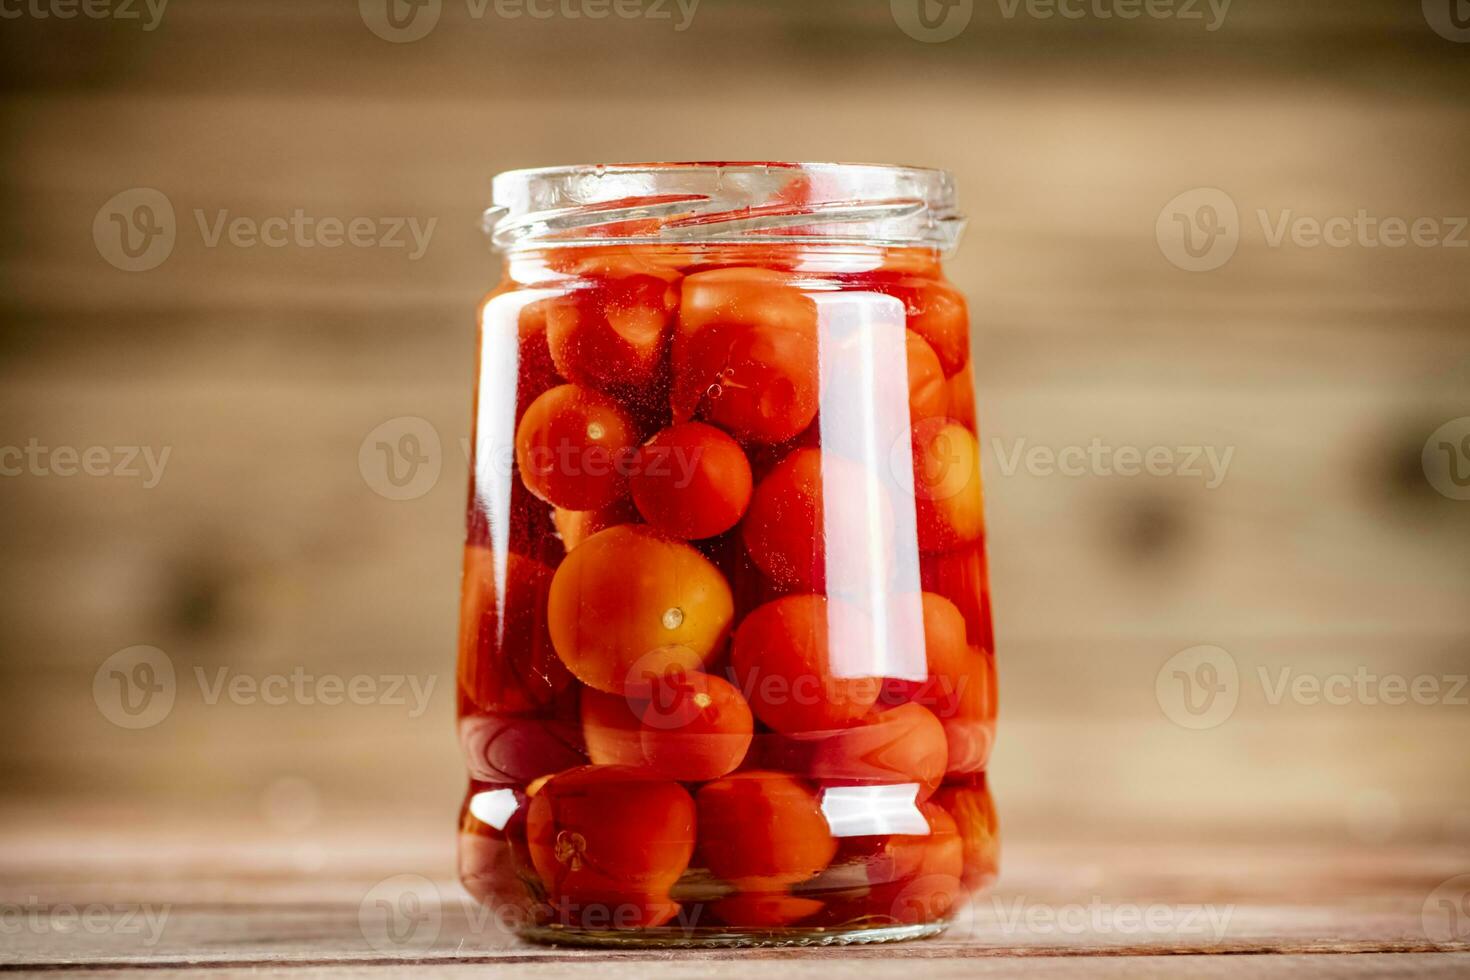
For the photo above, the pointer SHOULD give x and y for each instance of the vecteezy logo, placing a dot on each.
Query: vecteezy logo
(1446, 459)
(1450, 19)
(1199, 687)
(135, 688)
(400, 21)
(401, 458)
(932, 21)
(1199, 230)
(1446, 913)
(135, 229)
(401, 914)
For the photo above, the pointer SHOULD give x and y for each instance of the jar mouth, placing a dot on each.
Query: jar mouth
(725, 203)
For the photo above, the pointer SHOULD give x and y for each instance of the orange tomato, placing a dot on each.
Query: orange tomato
(573, 448)
(781, 655)
(610, 727)
(630, 604)
(612, 335)
(695, 727)
(762, 831)
(901, 745)
(948, 499)
(506, 659)
(785, 530)
(609, 842)
(745, 354)
(928, 391)
(691, 481)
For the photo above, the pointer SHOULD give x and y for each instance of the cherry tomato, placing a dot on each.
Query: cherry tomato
(794, 681)
(901, 745)
(613, 335)
(610, 728)
(917, 878)
(928, 391)
(573, 448)
(630, 604)
(691, 481)
(764, 910)
(576, 526)
(745, 354)
(506, 660)
(762, 831)
(960, 688)
(948, 499)
(973, 810)
(962, 578)
(787, 526)
(609, 842)
(945, 645)
(937, 312)
(695, 727)
(962, 397)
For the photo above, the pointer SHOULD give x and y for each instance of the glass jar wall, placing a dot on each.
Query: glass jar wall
(726, 664)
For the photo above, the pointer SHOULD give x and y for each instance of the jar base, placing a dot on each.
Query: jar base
(726, 939)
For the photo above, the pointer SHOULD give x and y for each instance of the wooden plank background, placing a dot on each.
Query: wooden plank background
(264, 549)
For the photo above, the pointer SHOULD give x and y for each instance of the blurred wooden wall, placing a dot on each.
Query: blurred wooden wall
(264, 549)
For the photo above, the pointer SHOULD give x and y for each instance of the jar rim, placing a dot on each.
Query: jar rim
(725, 202)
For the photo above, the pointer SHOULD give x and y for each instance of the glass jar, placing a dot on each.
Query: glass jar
(726, 668)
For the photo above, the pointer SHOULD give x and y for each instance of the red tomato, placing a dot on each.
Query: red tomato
(948, 499)
(928, 391)
(762, 831)
(787, 525)
(630, 604)
(613, 335)
(574, 447)
(609, 842)
(610, 729)
(576, 526)
(745, 354)
(781, 656)
(696, 727)
(960, 688)
(944, 646)
(962, 578)
(973, 810)
(764, 910)
(938, 313)
(917, 878)
(902, 745)
(691, 481)
(506, 660)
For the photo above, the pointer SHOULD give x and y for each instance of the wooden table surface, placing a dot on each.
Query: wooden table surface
(221, 900)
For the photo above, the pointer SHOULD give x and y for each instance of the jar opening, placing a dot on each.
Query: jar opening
(725, 203)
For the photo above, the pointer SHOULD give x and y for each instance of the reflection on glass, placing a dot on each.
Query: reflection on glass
(868, 516)
(860, 811)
